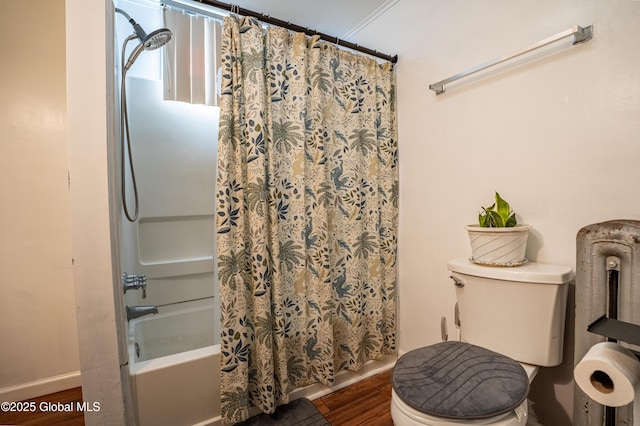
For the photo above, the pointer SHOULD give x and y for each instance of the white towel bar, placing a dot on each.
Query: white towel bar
(579, 34)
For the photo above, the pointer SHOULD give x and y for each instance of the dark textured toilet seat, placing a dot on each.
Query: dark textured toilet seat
(458, 380)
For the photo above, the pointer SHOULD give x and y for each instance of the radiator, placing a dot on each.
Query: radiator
(607, 285)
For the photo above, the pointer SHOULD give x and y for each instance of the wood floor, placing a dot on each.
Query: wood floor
(47, 410)
(363, 403)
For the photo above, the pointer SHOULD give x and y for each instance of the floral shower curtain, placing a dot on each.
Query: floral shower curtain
(307, 213)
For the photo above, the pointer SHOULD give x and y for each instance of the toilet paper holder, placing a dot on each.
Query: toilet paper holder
(617, 330)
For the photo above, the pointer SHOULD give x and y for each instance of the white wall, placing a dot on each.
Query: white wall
(90, 115)
(556, 135)
(39, 350)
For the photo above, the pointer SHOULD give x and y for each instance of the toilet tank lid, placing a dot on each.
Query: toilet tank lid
(531, 272)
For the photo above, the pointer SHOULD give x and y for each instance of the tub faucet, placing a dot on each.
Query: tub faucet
(140, 311)
(134, 282)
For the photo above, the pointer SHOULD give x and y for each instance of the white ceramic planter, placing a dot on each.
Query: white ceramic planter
(498, 246)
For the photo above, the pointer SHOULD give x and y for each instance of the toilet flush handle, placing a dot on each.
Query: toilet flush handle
(457, 281)
(443, 329)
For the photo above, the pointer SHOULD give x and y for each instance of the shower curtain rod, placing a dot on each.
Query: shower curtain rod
(297, 28)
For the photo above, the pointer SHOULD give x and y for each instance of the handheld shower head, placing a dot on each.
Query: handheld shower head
(152, 41)
(157, 38)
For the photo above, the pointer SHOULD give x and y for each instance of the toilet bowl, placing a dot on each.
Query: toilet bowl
(404, 415)
(511, 322)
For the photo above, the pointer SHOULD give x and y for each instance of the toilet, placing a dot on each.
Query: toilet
(511, 322)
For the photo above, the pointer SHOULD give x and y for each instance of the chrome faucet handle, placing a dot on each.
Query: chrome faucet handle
(143, 285)
(131, 286)
(128, 281)
(130, 278)
(134, 282)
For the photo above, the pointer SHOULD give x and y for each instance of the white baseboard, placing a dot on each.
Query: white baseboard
(41, 387)
(345, 378)
(216, 421)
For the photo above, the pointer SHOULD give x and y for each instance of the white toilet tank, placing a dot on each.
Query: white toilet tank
(516, 311)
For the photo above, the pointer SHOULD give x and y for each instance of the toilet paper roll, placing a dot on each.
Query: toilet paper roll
(609, 374)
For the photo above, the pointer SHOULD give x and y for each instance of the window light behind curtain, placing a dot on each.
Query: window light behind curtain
(192, 58)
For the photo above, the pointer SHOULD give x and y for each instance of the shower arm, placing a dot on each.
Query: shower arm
(125, 14)
(141, 34)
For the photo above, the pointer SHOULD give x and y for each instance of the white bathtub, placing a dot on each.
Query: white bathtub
(176, 378)
(184, 388)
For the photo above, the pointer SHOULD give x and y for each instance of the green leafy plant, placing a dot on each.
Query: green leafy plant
(498, 215)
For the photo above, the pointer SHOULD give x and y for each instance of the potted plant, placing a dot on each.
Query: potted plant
(498, 239)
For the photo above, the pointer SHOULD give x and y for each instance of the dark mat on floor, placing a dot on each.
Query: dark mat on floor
(300, 412)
